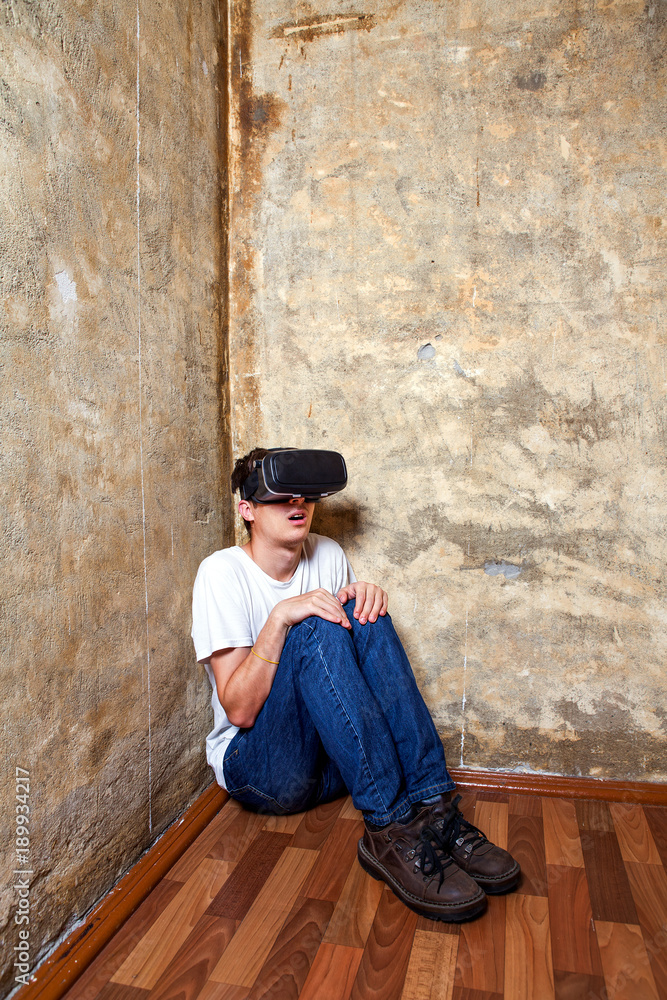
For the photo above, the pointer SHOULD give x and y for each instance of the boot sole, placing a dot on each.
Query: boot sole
(445, 912)
(508, 884)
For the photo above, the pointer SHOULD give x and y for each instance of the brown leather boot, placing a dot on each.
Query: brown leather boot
(491, 867)
(407, 857)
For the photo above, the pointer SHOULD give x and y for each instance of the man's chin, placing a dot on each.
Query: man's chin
(300, 531)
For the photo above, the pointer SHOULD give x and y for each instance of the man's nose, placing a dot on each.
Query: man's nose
(297, 500)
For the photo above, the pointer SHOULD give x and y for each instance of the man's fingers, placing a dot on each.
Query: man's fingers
(326, 606)
(371, 602)
(368, 604)
(377, 606)
(360, 603)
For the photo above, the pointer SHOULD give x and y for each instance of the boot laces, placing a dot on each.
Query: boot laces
(433, 858)
(456, 831)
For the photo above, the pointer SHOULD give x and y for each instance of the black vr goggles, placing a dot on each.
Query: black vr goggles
(295, 472)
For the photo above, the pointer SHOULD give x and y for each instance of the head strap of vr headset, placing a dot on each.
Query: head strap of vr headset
(250, 484)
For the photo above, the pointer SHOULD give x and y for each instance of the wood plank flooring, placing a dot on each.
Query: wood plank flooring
(278, 907)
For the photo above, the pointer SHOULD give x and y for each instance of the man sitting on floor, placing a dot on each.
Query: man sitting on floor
(314, 696)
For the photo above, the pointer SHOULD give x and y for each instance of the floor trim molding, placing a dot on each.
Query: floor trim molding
(560, 786)
(59, 971)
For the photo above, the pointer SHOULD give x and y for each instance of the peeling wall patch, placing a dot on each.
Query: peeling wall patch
(462, 372)
(425, 352)
(66, 286)
(509, 570)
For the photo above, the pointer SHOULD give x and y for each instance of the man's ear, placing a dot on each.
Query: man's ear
(245, 510)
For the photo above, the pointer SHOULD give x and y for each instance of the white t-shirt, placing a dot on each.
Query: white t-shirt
(231, 600)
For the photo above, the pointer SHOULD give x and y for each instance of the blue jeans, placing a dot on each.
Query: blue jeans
(344, 713)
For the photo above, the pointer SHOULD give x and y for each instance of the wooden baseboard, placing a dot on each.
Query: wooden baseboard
(558, 786)
(55, 976)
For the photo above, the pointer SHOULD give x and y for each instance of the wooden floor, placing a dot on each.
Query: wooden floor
(279, 907)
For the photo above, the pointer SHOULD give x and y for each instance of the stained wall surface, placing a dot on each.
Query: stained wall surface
(113, 429)
(448, 261)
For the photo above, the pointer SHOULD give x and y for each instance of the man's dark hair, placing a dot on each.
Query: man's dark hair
(242, 469)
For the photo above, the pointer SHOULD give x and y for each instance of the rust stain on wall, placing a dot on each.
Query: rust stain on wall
(255, 118)
(257, 115)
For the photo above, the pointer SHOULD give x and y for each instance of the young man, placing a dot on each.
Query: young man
(313, 696)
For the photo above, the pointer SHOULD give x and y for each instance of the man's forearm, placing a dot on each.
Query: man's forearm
(249, 686)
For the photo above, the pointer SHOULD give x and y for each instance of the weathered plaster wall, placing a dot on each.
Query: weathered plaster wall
(113, 429)
(448, 248)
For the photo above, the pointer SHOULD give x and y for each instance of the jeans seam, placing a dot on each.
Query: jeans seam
(349, 720)
(262, 795)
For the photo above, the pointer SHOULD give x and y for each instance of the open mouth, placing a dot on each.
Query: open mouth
(299, 516)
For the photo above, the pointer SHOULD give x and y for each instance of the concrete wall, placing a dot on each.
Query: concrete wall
(448, 261)
(113, 428)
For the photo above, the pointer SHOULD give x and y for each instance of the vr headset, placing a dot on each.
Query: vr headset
(295, 472)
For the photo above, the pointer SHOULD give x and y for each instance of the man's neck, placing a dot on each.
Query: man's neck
(278, 562)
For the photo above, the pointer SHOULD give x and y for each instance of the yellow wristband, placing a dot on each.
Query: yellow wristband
(252, 650)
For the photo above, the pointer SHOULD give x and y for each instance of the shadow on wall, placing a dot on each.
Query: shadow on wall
(339, 522)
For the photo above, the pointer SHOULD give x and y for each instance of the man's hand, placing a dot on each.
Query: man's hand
(370, 600)
(318, 602)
